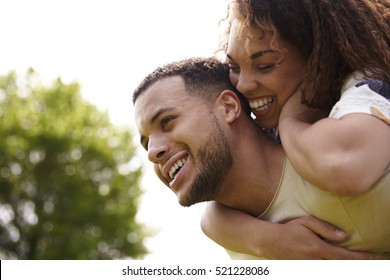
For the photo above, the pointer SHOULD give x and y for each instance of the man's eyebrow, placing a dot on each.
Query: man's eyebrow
(144, 139)
(159, 113)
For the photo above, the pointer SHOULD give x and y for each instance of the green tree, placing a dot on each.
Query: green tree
(68, 188)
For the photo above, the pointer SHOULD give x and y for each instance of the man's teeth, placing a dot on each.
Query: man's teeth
(178, 164)
(261, 105)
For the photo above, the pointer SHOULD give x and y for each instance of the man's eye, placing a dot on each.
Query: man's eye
(146, 145)
(165, 122)
(144, 142)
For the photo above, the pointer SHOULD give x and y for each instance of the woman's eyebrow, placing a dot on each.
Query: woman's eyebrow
(254, 55)
(259, 53)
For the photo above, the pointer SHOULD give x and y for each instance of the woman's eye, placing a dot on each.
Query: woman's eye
(234, 68)
(264, 68)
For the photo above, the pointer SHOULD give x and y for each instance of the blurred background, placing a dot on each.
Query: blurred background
(73, 182)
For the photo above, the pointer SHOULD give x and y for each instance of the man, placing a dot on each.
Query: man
(205, 146)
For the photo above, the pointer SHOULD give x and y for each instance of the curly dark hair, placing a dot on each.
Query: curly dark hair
(203, 78)
(337, 37)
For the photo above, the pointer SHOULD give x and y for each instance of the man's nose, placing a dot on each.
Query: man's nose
(157, 148)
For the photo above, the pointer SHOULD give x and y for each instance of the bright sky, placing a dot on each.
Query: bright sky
(108, 46)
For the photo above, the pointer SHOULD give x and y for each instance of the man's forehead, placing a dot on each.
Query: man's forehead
(166, 93)
(163, 89)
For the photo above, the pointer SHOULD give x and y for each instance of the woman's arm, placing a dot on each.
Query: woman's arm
(302, 238)
(345, 156)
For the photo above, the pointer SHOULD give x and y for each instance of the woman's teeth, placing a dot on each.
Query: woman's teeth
(261, 105)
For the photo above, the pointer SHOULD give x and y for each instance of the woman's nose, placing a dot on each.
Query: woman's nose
(246, 83)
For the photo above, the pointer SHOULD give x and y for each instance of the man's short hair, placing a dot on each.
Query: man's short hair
(203, 77)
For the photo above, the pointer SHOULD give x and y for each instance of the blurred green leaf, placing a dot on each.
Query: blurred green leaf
(69, 187)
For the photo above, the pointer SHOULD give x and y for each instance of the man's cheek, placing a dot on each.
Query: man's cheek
(159, 174)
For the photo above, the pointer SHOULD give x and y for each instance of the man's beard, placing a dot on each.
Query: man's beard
(215, 160)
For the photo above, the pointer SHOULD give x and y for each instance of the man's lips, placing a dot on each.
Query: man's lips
(173, 165)
(176, 167)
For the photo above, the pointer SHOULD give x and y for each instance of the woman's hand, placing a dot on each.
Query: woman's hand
(295, 109)
(308, 238)
(302, 238)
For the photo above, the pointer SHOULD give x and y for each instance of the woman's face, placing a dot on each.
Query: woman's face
(265, 72)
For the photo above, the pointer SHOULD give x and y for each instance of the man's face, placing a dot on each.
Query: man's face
(184, 141)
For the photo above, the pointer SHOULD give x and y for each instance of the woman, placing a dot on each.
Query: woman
(323, 53)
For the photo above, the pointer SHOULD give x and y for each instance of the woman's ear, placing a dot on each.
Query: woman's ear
(230, 104)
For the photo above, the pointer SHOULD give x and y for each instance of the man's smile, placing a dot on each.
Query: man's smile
(175, 168)
(172, 167)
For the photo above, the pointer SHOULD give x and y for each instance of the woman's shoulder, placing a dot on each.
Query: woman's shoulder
(362, 95)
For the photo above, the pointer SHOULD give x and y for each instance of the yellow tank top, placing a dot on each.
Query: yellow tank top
(365, 217)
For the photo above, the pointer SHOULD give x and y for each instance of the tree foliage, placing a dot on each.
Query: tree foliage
(68, 189)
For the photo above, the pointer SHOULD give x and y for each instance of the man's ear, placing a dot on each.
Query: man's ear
(230, 104)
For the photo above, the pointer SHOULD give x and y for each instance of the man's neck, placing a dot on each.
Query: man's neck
(256, 174)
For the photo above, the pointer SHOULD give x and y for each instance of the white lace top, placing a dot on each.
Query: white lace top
(360, 95)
